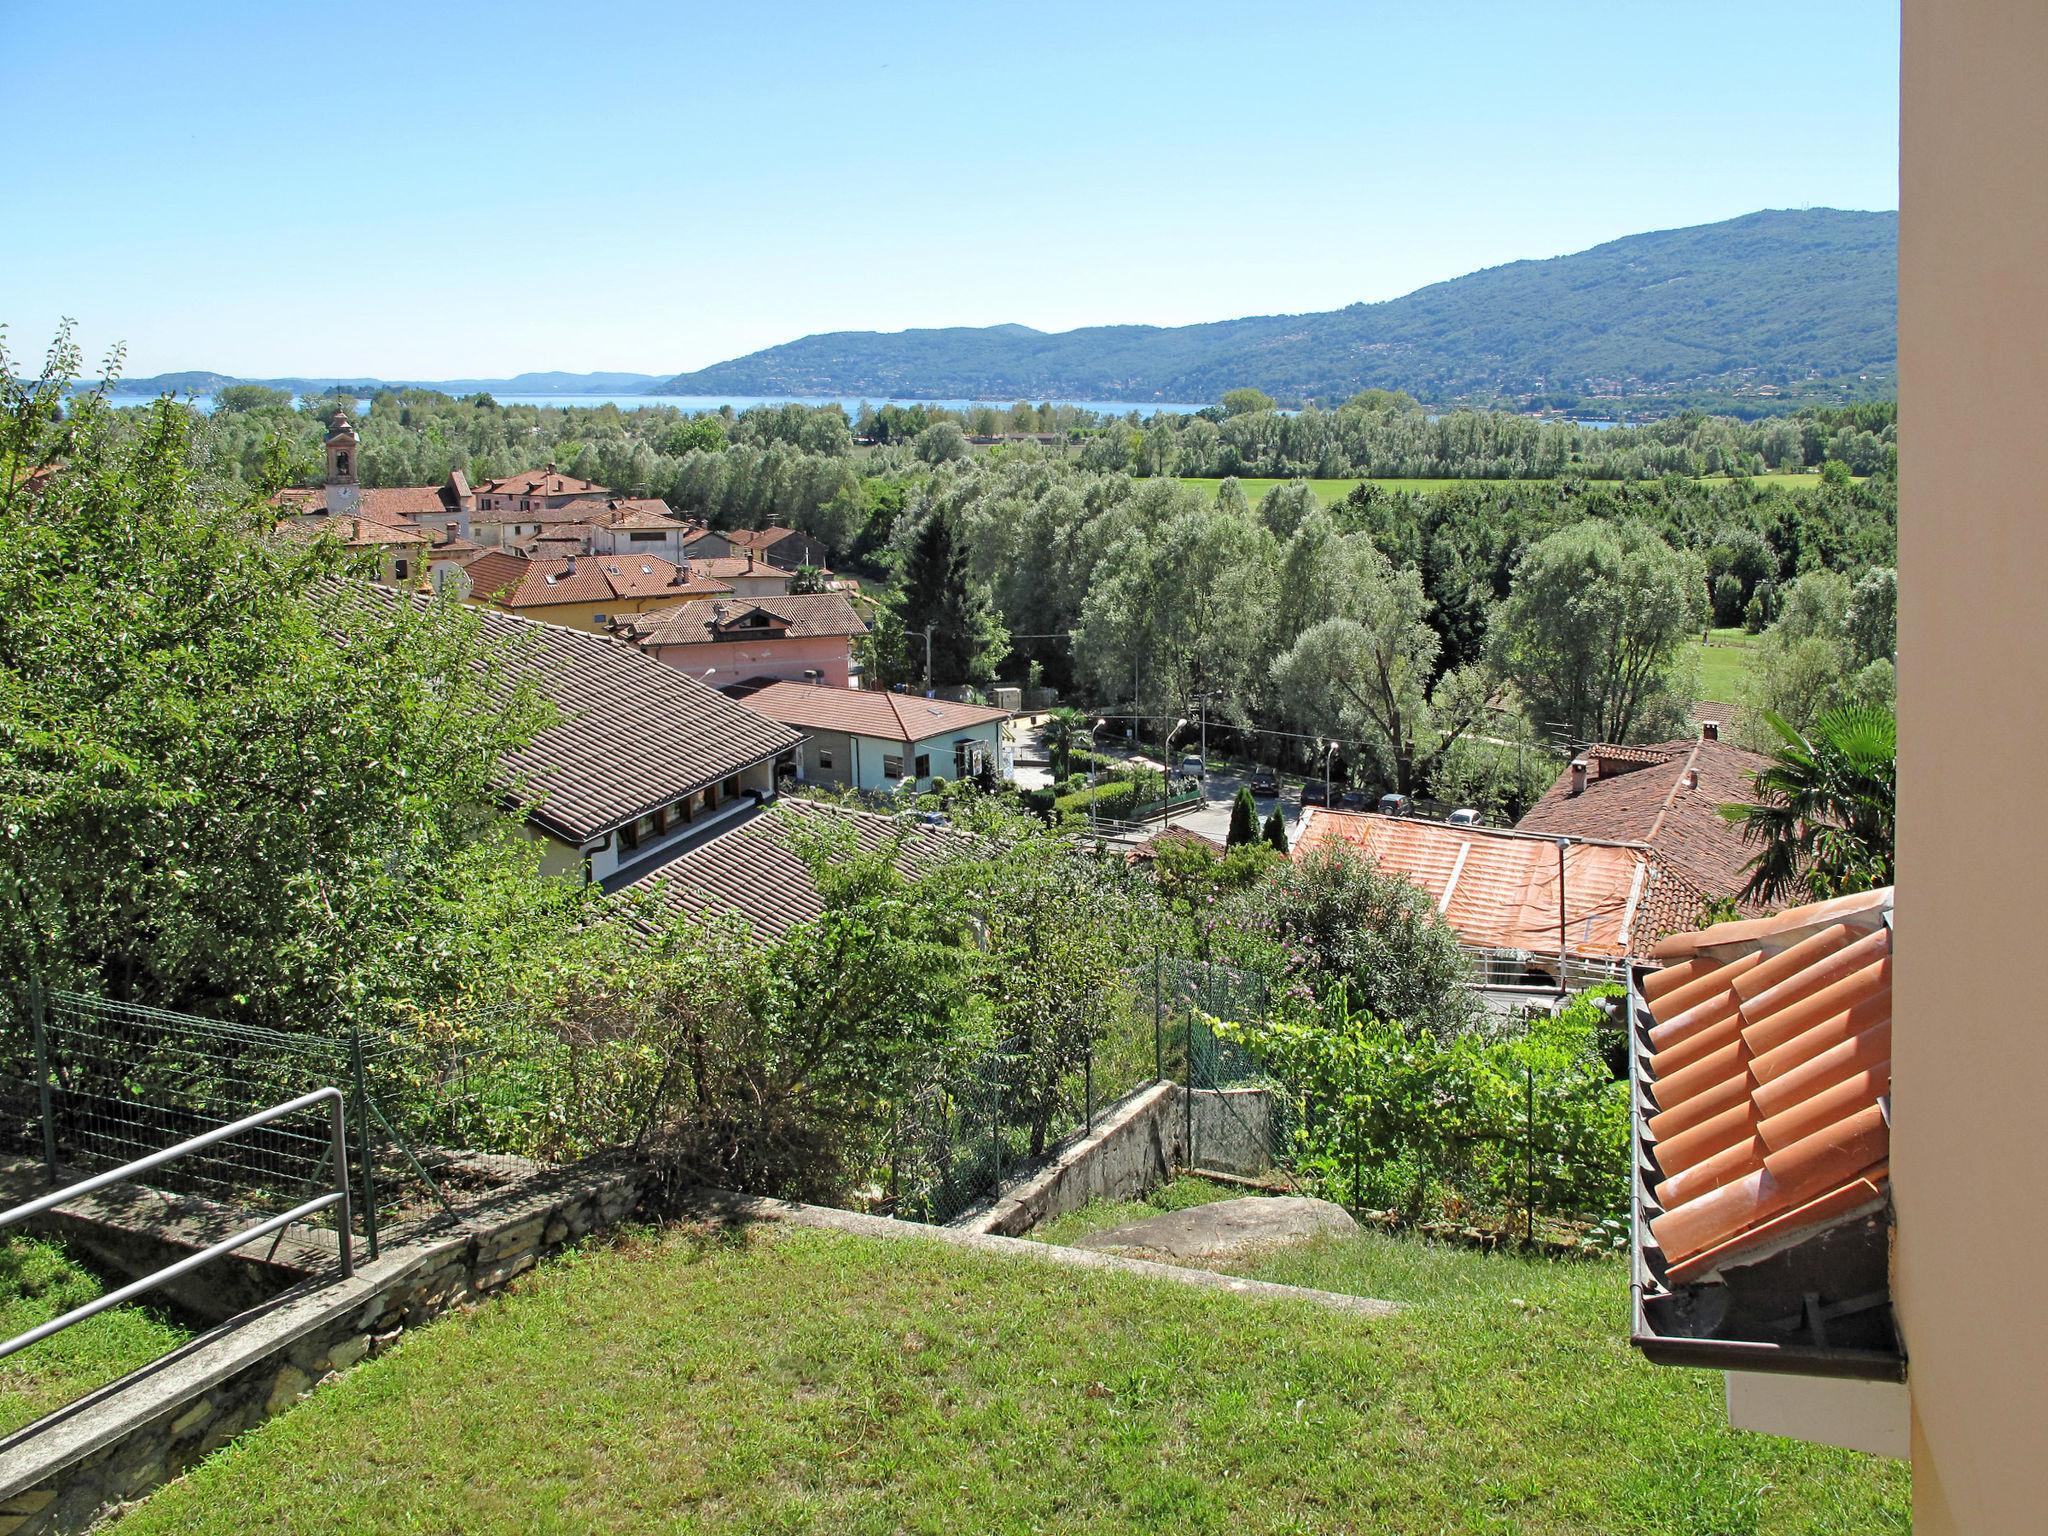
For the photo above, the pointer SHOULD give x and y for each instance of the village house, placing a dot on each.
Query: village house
(1668, 797)
(885, 741)
(442, 508)
(546, 489)
(736, 643)
(641, 761)
(784, 548)
(746, 574)
(586, 591)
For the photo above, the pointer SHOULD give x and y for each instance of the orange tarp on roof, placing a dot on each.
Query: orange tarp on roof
(1499, 889)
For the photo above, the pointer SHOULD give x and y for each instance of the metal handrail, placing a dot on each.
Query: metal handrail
(338, 1197)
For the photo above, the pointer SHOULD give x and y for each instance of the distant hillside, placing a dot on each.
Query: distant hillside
(199, 382)
(1800, 303)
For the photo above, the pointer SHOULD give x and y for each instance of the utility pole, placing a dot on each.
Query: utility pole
(1562, 844)
(928, 659)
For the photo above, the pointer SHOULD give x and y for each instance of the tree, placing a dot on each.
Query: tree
(1243, 402)
(1591, 627)
(939, 597)
(1824, 810)
(1340, 920)
(1276, 832)
(1872, 622)
(1368, 671)
(233, 779)
(1064, 729)
(941, 443)
(1244, 818)
(806, 579)
(250, 397)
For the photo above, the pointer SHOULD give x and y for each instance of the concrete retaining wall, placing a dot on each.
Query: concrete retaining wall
(61, 1474)
(1131, 1150)
(1232, 1130)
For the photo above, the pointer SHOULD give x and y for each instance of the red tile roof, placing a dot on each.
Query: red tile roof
(1650, 795)
(1765, 1074)
(548, 481)
(904, 717)
(513, 582)
(782, 617)
(1499, 889)
(357, 532)
(385, 504)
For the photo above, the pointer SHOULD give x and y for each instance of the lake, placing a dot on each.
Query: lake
(700, 403)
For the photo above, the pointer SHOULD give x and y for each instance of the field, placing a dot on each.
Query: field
(793, 1380)
(38, 1283)
(1724, 663)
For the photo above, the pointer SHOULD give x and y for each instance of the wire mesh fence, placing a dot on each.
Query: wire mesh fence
(89, 1084)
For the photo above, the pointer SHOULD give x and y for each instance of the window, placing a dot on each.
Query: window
(924, 765)
(341, 465)
(824, 760)
(629, 837)
(402, 568)
(732, 787)
(651, 536)
(892, 765)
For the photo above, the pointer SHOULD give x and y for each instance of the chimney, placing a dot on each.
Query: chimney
(550, 469)
(718, 613)
(1578, 775)
(1692, 779)
(1710, 730)
(570, 568)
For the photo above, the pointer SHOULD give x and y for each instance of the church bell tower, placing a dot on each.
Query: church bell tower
(342, 485)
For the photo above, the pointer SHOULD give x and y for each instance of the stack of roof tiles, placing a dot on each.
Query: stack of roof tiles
(1767, 1075)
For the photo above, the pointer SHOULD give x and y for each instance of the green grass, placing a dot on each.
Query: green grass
(1724, 663)
(1099, 1215)
(37, 1283)
(794, 1380)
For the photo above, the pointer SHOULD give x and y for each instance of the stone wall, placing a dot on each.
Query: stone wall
(119, 1443)
(1232, 1130)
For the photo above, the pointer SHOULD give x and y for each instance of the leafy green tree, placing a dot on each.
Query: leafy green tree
(1367, 672)
(1241, 402)
(250, 397)
(806, 579)
(1825, 807)
(941, 443)
(1276, 832)
(232, 780)
(1339, 920)
(1244, 818)
(1064, 730)
(1592, 626)
(1872, 620)
(941, 599)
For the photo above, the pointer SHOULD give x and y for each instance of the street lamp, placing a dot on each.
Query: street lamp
(1166, 775)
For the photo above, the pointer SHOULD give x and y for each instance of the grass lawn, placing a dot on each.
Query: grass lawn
(37, 1283)
(794, 1380)
(1724, 663)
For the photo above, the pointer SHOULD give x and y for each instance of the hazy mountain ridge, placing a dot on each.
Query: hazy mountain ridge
(201, 382)
(1802, 302)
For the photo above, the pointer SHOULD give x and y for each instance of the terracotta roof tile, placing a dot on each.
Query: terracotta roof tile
(1496, 888)
(1672, 803)
(783, 617)
(904, 717)
(512, 581)
(1762, 1065)
(752, 871)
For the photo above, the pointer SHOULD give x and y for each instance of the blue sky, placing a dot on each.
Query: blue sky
(438, 189)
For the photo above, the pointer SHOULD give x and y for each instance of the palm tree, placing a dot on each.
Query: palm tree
(1824, 807)
(1064, 730)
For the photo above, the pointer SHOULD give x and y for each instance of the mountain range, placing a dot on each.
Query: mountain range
(200, 382)
(1781, 303)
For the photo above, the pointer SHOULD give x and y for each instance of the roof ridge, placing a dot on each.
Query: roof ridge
(1671, 796)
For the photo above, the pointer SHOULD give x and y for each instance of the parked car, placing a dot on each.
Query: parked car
(1191, 765)
(1354, 799)
(1464, 816)
(1314, 792)
(1396, 805)
(1265, 782)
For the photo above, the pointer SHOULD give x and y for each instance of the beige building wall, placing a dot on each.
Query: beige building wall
(1969, 1127)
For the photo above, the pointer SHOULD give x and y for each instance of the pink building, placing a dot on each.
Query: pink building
(805, 638)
